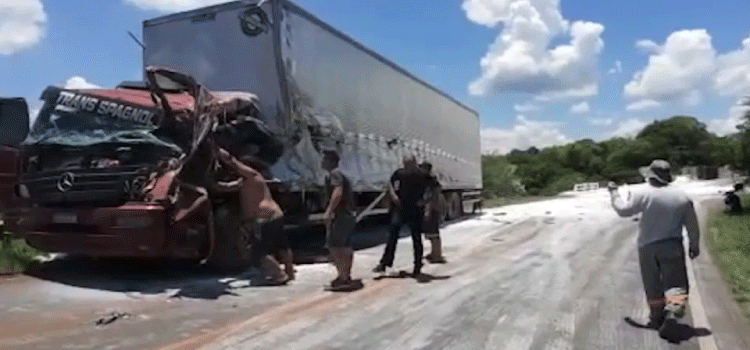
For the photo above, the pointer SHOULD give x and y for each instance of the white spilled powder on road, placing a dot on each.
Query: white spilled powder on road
(591, 203)
(576, 206)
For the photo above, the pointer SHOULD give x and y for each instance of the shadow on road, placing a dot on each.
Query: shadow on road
(143, 277)
(181, 279)
(683, 332)
(421, 278)
(309, 244)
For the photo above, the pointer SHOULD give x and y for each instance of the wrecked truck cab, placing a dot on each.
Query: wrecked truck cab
(131, 171)
(14, 126)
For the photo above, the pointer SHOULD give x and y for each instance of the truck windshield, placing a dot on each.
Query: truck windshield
(70, 118)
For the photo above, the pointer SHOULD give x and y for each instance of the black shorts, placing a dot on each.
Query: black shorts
(273, 237)
(269, 237)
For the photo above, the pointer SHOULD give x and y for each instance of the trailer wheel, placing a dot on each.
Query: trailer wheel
(456, 208)
(232, 247)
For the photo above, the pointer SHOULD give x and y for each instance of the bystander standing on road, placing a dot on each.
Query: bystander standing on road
(433, 214)
(665, 211)
(339, 221)
(406, 189)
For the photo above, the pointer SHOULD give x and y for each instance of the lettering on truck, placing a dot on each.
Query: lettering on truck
(69, 101)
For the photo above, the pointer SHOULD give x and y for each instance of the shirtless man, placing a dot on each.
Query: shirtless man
(265, 215)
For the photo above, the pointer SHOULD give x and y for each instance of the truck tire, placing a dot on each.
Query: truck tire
(232, 248)
(455, 206)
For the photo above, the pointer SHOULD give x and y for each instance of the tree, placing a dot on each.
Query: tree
(675, 139)
(682, 140)
(499, 177)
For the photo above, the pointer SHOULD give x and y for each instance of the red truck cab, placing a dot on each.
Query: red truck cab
(131, 172)
(14, 127)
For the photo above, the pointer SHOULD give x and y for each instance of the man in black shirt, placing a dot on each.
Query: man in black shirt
(406, 190)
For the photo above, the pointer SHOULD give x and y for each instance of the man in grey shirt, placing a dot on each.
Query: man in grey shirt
(339, 221)
(665, 211)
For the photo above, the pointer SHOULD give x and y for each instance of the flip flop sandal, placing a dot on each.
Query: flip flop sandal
(279, 282)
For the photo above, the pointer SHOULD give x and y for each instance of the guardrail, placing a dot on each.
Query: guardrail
(588, 186)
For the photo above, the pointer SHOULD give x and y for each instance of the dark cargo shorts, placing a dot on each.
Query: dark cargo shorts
(431, 225)
(339, 234)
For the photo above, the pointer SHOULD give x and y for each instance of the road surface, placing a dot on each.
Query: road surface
(560, 274)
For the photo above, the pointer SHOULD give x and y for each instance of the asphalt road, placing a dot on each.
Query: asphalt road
(562, 274)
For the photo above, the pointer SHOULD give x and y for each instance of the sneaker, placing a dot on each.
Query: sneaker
(436, 259)
(668, 329)
(417, 270)
(338, 282)
(379, 269)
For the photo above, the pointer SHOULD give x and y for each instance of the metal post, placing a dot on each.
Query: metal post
(367, 210)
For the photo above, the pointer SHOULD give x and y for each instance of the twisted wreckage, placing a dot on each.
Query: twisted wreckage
(130, 171)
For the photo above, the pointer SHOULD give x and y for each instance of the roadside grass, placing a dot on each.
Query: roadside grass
(15, 255)
(503, 201)
(729, 242)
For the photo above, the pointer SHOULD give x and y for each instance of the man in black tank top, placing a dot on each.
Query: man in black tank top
(406, 190)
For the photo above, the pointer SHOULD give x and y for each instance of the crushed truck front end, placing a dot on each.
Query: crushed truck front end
(99, 173)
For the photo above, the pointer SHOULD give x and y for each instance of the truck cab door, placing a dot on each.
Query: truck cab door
(14, 127)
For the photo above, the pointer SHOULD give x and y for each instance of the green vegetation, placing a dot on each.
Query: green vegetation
(682, 140)
(728, 237)
(15, 254)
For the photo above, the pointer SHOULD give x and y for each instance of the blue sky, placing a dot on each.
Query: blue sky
(551, 78)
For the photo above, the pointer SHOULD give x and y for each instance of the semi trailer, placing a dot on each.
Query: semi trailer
(319, 88)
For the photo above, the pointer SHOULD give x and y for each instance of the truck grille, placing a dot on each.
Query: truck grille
(106, 186)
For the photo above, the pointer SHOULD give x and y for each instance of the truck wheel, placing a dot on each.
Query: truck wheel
(456, 207)
(232, 247)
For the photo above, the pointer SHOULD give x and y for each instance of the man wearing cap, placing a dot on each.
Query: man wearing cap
(665, 211)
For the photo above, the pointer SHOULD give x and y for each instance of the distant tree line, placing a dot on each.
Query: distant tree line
(682, 140)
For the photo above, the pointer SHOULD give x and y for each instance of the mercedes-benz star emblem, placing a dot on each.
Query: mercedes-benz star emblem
(66, 182)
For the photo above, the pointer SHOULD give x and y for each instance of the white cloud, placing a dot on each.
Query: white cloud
(77, 82)
(168, 6)
(729, 124)
(601, 121)
(580, 108)
(22, 25)
(521, 60)
(687, 68)
(526, 107)
(629, 128)
(526, 133)
(733, 75)
(679, 70)
(616, 69)
(648, 46)
(642, 104)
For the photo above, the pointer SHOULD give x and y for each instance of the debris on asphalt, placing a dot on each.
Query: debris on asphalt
(112, 317)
